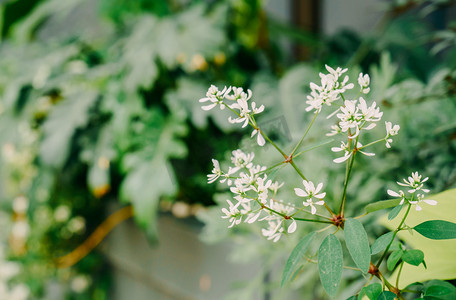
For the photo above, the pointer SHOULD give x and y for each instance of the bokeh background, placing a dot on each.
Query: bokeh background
(105, 149)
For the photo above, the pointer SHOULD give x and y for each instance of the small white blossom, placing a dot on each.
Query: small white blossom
(238, 93)
(309, 192)
(216, 172)
(401, 195)
(262, 187)
(364, 81)
(232, 213)
(390, 131)
(242, 160)
(215, 96)
(329, 90)
(420, 198)
(335, 129)
(276, 186)
(347, 152)
(274, 230)
(414, 182)
(260, 139)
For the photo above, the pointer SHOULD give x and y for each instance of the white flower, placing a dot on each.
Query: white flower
(310, 192)
(401, 195)
(370, 114)
(414, 182)
(329, 90)
(216, 172)
(274, 230)
(244, 113)
(242, 160)
(355, 115)
(215, 96)
(364, 81)
(390, 131)
(344, 147)
(238, 93)
(276, 186)
(420, 199)
(335, 129)
(260, 139)
(232, 213)
(261, 188)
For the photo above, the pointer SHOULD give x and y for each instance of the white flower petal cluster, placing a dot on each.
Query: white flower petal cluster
(276, 223)
(309, 192)
(348, 152)
(237, 101)
(252, 191)
(215, 96)
(416, 184)
(356, 115)
(329, 90)
(364, 81)
(390, 131)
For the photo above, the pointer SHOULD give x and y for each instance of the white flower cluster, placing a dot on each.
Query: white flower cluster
(354, 115)
(415, 184)
(238, 101)
(330, 89)
(252, 191)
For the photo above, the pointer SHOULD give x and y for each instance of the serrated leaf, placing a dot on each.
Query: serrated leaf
(439, 253)
(376, 206)
(150, 176)
(372, 291)
(295, 258)
(414, 257)
(67, 116)
(394, 212)
(437, 229)
(394, 257)
(330, 264)
(382, 242)
(387, 295)
(357, 244)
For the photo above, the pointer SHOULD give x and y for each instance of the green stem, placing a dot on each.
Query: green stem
(314, 147)
(347, 178)
(312, 220)
(394, 235)
(305, 134)
(399, 274)
(297, 170)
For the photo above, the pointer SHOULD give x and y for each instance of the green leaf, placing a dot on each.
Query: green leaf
(149, 175)
(387, 295)
(382, 242)
(381, 205)
(414, 257)
(352, 298)
(330, 264)
(394, 212)
(371, 291)
(440, 289)
(394, 257)
(65, 118)
(437, 230)
(295, 258)
(357, 244)
(439, 253)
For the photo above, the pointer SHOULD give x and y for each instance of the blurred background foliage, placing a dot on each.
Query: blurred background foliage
(99, 106)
